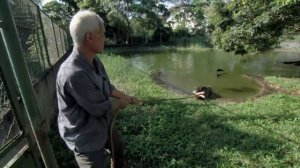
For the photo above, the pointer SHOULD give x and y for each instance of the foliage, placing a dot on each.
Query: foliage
(127, 21)
(252, 26)
(123, 15)
(60, 13)
(240, 26)
(162, 34)
(152, 19)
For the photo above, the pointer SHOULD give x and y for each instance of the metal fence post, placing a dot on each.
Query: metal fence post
(61, 42)
(39, 49)
(38, 38)
(21, 74)
(43, 35)
(55, 38)
(66, 41)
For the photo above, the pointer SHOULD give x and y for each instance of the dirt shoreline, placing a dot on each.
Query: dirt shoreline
(268, 88)
(265, 87)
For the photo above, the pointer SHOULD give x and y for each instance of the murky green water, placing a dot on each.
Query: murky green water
(187, 69)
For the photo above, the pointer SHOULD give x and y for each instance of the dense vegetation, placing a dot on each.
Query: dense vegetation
(241, 26)
(252, 26)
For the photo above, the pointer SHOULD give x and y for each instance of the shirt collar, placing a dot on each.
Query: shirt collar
(80, 56)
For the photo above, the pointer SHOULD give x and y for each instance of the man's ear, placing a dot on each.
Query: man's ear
(89, 36)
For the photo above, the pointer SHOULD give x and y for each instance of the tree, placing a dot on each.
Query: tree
(60, 12)
(151, 16)
(145, 13)
(252, 26)
(118, 15)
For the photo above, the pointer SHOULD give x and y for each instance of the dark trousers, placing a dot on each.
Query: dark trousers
(95, 159)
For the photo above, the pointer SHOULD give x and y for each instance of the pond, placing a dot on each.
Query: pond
(184, 70)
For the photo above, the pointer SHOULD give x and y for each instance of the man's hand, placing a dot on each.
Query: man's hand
(131, 99)
(120, 95)
(134, 100)
(123, 103)
(119, 105)
(199, 94)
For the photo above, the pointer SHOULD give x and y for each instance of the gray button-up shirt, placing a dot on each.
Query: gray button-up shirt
(83, 93)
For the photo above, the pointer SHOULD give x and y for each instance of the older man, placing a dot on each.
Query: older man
(83, 92)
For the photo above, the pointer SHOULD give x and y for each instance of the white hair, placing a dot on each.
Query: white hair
(83, 22)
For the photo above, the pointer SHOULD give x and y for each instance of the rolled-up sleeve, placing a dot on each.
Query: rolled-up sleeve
(111, 88)
(88, 95)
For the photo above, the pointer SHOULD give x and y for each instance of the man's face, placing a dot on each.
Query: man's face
(97, 40)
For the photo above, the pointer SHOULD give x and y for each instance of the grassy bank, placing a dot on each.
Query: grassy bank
(260, 132)
(154, 48)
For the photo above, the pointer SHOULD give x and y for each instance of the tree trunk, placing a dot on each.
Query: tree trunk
(160, 37)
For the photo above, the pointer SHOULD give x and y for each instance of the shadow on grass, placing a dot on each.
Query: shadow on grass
(177, 134)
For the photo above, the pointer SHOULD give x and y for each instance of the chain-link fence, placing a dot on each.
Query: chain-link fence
(8, 124)
(42, 41)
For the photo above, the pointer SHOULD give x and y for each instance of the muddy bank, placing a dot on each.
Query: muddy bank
(268, 88)
(265, 89)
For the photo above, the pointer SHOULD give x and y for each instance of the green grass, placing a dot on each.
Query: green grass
(288, 85)
(261, 132)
